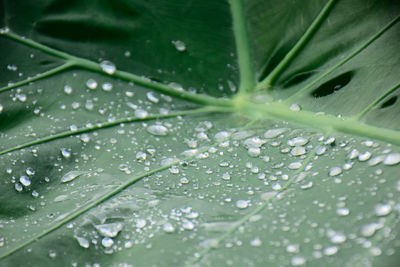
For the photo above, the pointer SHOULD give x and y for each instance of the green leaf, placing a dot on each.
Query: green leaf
(207, 133)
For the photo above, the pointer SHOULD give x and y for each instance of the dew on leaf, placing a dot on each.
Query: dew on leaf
(30, 171)
(108, 67)
(274, 133)
(375, 160)
(67, 89)
(179, 45)
(168, 228)
(109, 229)
(156, 129)
(242, 204)
(140, 113)
(254, 152)
(335, 171)
(320, 150)
(83, 242)
(69, 176)
(329, 251)
(18, 187)
(256, 242)
(338, 238)
(188, 225)
(353, 154)
(24, 180)
(107, 242)
(292, 248)
(140, 223)
(222, 136)
(392, 159)
(65, 153)
(298, 151)
(297, 141)
(342, 211)
(383, 209)
(368, 230)
(295, 165)
(364, 156)
(295, 107)
(152, 98)
(298, 261)
(91, 84)
(176, 86)
(1, 108)
(107, 87)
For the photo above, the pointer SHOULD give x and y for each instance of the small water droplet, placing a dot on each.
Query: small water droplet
(140, 223)
(83, 242)
(256, 242)
(152, 98)
(140, 113)
(342, 211)
(108, 67)
(30, 171)
(292, 248)
(364, 156)
(65, 153)
(69, 176)
(335, 171)
(159, 130)
(107, 87)
(24, 180)
(329, 251)
(254, 152)
(353, 154)
(68, 89)
(91, 84)
(242, 204)
(368, 230)
(338, 238)
(298, 151)
(179, 45)
(295, 107)
(188, 225)
(107, 242)
(274, 133)
(297, 141)
(298, 261)
(18, 187)
(168, 228)
(295, 165)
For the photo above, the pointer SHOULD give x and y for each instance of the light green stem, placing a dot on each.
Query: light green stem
(307, 88)
(376, 102)
(244, 54)
(291, 55)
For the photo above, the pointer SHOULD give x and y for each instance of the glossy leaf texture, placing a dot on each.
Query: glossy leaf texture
(199, 133)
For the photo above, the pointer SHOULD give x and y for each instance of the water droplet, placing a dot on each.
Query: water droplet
(140, 223)
(329, 251)
(69, 176)
(109, 229)
(30, 171)
(188, 225)
(107, 242)
(24, 180)
(364, 156)
(383, 209)
(65, 153)
(256, 242)
(335, 171)
(4, 30)
(342, 211)
(368, 230)
(338, 238)
(295, 107)
(52, 254)
(226, 176)
(18, 187)
(242, 204)
(140, 113)
(297, 141)
(392, 159)
(107, 87)
(222, 136)
(141, 155)
(298, 261)
(274, 132)
(254, 152)
(168, 228)
(179, 45)
(320, 150)
(83, 242)
(295, 165)
(298, 151)
(376, 160)
(353, 154)
(108, 67)
(292, 248)
(152, 98)
(68, 89)
(1, 108)
(91, 84)
(157, 130)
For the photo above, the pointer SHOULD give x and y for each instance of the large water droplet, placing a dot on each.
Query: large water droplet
(91, 84)
(157, 130)
(335, 171)
(383, 209)
(108, 67)
(242, 204)
(298, 261)
(168, 228)
(83, 242)
(107, 242)
(392, 159)
(24, 180)
(274, 132)
(109, 229)
(297, 141)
